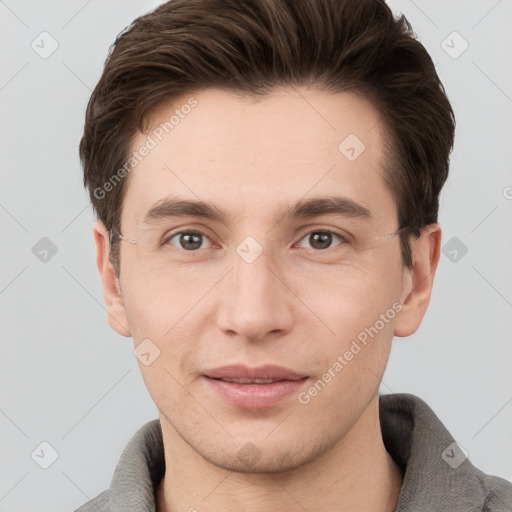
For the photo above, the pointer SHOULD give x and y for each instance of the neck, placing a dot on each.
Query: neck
(357, 473)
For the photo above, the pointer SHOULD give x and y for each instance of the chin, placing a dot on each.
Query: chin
(255, 462)
(263, 458)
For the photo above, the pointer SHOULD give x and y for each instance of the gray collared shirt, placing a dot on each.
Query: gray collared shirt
(437, 474)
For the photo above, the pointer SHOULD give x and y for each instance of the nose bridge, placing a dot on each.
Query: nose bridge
(252, 271)
(256, 301)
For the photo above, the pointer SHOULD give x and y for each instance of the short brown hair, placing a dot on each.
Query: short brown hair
(252, 46)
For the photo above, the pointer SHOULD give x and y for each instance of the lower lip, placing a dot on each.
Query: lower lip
(255, 396)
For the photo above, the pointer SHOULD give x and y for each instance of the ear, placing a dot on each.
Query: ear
(116, 313)
(418, 280)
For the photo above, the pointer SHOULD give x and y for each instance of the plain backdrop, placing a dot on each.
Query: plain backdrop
(70, 381)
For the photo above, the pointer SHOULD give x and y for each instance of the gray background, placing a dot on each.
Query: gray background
(68, 379)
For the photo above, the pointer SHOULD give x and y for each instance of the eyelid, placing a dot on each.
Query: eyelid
(313, 228)
(180, 231)
(343, 237)
(310, 230)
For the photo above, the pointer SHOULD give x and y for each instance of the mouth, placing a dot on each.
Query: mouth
(254, 388)
(251, 381)
(246, 373)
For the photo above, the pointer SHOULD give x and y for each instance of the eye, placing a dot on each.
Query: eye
(188, 240)
(320, 240)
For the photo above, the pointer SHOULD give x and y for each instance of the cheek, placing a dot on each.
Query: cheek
(168, 311)
(349, 300)
(347, 365)
(156, 298)
(159, 313)
(356, 314)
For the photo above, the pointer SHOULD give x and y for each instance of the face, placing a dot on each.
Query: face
(264, 315)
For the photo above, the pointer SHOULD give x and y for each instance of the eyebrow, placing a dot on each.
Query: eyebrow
(301, 209)
(176, 207)
(330, 205)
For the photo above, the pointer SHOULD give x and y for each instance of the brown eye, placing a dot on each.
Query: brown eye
(320, 240)
(188, 240)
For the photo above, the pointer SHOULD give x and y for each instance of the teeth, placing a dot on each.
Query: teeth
(250, 381)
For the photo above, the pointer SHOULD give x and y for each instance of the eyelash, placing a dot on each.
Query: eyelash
(309, 233)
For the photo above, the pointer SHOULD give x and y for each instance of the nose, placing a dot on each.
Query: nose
(256, 300)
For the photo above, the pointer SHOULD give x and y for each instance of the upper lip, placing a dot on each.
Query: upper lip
(261, 372)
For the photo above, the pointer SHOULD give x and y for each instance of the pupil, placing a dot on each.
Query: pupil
(188, 242)
(320, 240)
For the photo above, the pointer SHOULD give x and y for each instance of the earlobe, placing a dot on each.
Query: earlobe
(116, 313)
(418, 280)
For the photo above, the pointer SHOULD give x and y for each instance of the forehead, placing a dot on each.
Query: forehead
(251, 156)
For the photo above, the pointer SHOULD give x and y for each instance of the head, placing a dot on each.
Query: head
(256, 109)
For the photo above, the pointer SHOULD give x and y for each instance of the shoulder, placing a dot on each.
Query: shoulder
(499, 494)
(137, 475)
(99, 504)
(437, 472)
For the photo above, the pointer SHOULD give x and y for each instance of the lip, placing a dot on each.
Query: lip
(254, 395)
(268, 371)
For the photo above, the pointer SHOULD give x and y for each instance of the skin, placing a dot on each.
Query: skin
(294, 306)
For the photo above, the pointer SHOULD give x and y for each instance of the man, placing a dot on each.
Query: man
(266, 176)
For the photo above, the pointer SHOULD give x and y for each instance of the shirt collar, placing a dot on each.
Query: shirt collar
(437, 474)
